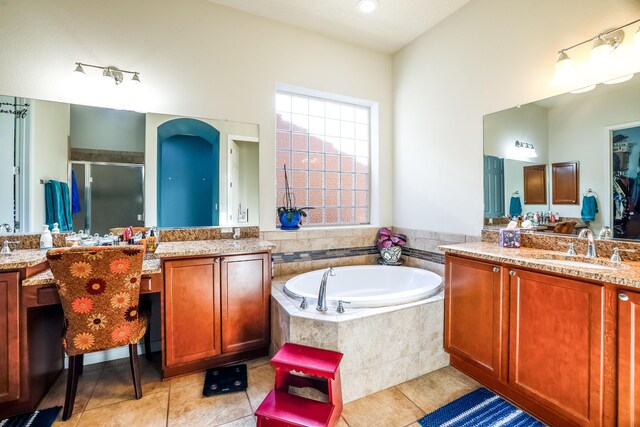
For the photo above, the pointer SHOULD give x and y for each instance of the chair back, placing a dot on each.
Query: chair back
(99, 289)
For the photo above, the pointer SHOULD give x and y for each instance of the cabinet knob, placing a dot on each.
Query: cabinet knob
(217, 260)
(512, 273)
(623, 297)
(496, 269)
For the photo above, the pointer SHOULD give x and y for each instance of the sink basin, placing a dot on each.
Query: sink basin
(578, 261)
(582, 264)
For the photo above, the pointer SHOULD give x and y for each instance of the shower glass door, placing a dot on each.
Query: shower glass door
(111, 195)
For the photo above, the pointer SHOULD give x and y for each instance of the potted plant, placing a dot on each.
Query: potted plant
(390, 245)
(288, 214)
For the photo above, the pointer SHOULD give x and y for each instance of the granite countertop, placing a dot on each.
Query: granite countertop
(149, 266)
(22, 258)
(626, 273)
(211, 247)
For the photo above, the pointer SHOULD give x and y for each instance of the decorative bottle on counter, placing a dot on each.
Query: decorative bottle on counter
(151, 242)
(46, 241)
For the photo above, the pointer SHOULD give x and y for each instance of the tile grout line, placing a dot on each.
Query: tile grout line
(168, 406)
(414, 403)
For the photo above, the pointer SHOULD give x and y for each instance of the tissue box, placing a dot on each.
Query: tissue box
(510, 238)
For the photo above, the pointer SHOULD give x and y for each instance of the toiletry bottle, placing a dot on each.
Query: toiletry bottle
(55, 229)
(46, 241)
(151, 241)
(143, 242)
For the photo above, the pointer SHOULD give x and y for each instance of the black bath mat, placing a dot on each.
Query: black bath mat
(227, 379)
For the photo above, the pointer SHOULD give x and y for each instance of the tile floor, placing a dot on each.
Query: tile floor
(105, 398)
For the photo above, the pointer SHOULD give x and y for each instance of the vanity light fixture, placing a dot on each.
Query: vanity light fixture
(526, 149)
(603, 44)
(367, 6)
(584, 89)
(636, 37)
(111, 72)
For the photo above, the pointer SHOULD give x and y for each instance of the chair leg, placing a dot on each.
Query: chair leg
(147, 344)
(80, 364)
(135, 369)
(75, 365)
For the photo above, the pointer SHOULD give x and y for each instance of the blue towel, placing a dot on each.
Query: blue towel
(58, 205)
(589, 208)
(75, 195)
(515, 206)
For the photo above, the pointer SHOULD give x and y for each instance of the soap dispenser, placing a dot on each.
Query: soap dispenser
(46, 241)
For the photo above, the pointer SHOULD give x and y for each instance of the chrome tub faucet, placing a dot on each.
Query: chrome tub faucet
(322, 292)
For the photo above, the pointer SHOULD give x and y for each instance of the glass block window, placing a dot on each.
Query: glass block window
(325, 147)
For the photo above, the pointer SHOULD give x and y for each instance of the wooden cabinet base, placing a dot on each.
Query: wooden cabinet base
(223, 359)
(539, 411)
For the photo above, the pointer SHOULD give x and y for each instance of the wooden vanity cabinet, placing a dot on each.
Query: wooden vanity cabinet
(535, 184)
(628, 358)
(245, 289)
(192, 310)
(216, 311)
(9, 336)
(535, 338)
(556, 343)
(474, 309)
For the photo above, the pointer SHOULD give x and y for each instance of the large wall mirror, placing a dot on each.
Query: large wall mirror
(124, 168)
(596, 132)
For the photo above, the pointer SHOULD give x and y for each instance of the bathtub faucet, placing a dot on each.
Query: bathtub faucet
(322, 293)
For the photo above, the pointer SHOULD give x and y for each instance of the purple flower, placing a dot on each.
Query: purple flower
(387, 239)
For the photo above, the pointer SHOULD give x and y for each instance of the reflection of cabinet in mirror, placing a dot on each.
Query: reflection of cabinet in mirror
(564, 181)
(535, 185)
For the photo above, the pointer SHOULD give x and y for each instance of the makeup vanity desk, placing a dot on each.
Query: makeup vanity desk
(214, 299)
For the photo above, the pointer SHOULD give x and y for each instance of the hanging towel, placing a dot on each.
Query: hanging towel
(75, 195)
(58, 205)
(66, 218)
(515, 206)
(589, 208)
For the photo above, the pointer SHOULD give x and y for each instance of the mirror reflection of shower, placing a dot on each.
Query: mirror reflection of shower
(14, 128)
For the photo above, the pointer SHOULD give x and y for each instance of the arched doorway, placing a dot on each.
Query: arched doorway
(188, 168)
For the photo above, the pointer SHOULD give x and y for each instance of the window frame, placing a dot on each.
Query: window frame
(373, 149)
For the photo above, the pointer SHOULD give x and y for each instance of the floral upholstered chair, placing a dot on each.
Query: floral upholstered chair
(99, 289)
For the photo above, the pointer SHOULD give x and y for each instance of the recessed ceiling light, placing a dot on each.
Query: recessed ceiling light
(367, 6)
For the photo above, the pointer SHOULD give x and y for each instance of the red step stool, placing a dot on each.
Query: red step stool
(281, 409)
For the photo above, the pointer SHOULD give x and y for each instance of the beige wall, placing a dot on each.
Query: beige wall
(488, 56)
(50, 133)
(195, 59)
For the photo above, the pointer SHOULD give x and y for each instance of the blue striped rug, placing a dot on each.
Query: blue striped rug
(479, 408)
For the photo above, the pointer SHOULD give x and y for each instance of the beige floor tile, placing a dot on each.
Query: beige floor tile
(261, 381)
(342, 423)
(188, 407)
(150, 411)
(71, 422)
(433, 390)
(257, 362)
(94, 367)
(116, 383)
(461, 376)
(388, 408)
(249, 421)
(197, 377)
(55, 396)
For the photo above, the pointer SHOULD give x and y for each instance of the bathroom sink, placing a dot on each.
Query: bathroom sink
(578, 261)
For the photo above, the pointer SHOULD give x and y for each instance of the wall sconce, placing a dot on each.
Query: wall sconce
(603, 45)
(112, 72)
(525, 149)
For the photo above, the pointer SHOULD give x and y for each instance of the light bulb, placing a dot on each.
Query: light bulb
(584, 89)
(601, 49)
(367, 6)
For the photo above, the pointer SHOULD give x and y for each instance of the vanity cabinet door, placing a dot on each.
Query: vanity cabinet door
(9, 337)
(556, 344)
(246, 291)
(192, 310)
(475, 310)
(628, 358)
(535, 184)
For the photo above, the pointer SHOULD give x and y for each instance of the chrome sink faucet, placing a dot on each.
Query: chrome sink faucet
(322, 292)
(586, 233)
(5, 228)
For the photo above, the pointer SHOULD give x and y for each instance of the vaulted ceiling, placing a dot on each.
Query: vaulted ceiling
(394, 24)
